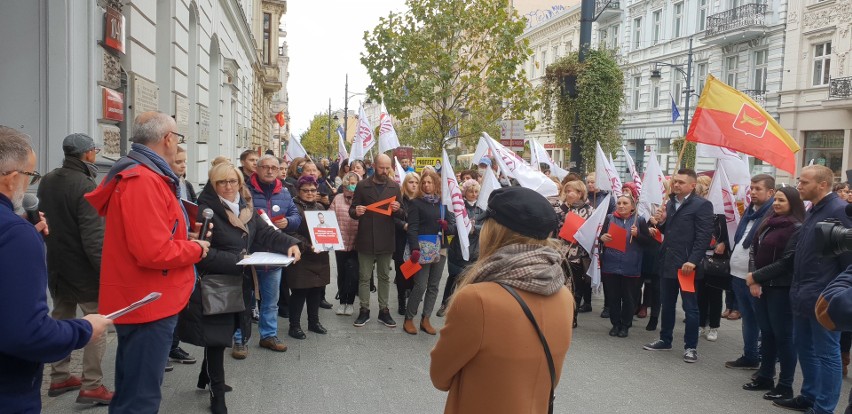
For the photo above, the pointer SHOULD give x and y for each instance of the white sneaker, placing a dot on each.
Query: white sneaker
(712, 334)
(350, 310)
(341, 309)
(701, 331)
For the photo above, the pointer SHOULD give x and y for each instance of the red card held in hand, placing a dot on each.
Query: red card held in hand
(573, 222)
(409, 268)
(686, 280)
(619, 238)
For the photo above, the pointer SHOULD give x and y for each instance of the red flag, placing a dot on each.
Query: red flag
(280, 118)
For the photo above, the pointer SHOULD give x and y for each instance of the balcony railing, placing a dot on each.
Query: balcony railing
(601, 4)
(737, 18)
(756, 95)
(840, 88)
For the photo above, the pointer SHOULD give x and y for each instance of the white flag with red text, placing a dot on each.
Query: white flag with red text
(515, 167)
(365, 131)
(388, 139)
(452, 197)
(653, 190)
(723, 199)
(357, 150)
(539, 156)
(400, 172)
(587, 236)
(606, 178)
(632, 167)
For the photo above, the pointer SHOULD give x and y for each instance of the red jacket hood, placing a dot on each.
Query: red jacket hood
(256, 185)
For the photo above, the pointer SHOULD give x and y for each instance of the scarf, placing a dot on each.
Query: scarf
(751, 214)
(432, 198)
(531, 268)
(165, 169)
(234, 206)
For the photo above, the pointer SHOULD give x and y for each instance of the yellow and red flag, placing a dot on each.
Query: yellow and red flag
(728, 118)
(280, 118)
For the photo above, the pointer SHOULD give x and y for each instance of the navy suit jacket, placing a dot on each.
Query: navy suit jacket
(688, 231)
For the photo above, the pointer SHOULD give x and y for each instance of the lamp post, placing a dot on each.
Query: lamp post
(346, 98)
(655, 74)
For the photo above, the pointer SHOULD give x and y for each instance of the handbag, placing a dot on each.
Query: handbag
(717, 271)
(221, 294)
(430, 249)
(550, 364)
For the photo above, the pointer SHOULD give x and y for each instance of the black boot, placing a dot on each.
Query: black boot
(652, 324)
(217, 400)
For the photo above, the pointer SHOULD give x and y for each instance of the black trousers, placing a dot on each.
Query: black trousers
(651, 293)
(845, 341)
(297, 302)
(621, 292)
(347, 276)
(709, 303)
(213, 367)
(403, 285)
(283, 291)
(582, 284)
(453, 272)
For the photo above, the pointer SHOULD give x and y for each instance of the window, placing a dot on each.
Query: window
(533, 65)
(637, 80)
(267, 38)
(664, 146)
(637, 32)
(822, 63)
(702, 14)
(759, 81)
(655, 96)
(657, 25)
(543, 60)
(613, 36)
(825, 148)
(731, 63)
(701, 72)
(678, 18)
(677, 87)
(602, 40)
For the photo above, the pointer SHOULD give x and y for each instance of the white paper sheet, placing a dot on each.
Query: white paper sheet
(266, 259)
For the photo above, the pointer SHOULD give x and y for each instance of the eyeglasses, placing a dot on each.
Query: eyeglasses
(308, 190)
(34, 174)
(227, 182)
(269, 167)
(181, 136)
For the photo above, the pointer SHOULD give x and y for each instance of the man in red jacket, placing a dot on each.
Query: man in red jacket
(147, 248)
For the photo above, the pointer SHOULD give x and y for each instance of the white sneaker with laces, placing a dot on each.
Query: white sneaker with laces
(350, 310)
(712, 334)
(341, 309)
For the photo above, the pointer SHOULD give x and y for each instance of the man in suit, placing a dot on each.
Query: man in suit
(376, 238)
(687, 224)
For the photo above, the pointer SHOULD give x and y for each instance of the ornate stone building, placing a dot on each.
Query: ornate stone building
(266, 70)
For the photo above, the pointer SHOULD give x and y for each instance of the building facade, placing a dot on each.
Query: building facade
(281, 99)
(816, 98)
(92, 66)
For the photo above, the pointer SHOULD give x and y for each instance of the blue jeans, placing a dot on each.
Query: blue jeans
(751, 331)
(269, 283)
(140, 362)
(775, 318)
(819, 357)
(669, 289)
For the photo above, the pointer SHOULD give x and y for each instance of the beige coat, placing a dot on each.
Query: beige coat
(489, 356)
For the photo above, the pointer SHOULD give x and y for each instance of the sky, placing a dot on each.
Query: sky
(325, 40)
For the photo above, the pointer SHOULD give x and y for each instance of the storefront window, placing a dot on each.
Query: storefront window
(824, 148)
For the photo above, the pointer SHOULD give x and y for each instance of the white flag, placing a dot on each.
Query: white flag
(481, 151)
(632, 167)
(295, 148)
(489, 184)
(723, 200)
(365, 131)
(515, 167)
(653, 190)
(357, 150)
(452, 197)
(387, 134)
(539, 154)
(587, 236)
(400, 173)
(341, 145)
(606, 178)
(713, 151)
(739, 175)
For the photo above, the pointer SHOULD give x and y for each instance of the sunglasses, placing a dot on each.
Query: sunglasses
(35, 176)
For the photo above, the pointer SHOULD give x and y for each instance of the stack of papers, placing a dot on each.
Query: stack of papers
(266, 259)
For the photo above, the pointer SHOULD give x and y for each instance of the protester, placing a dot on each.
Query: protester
(476, 358)
(574, 201)
(406, 165)
(248, 163)
(32, 336)
(455, 261)
(772, 250)
(622, 269)
(709, 288)
(344, 169)
(74, 261)
(146, 249)
(346, 259)
(426, 218)
(268, 194)
(596, 195)
(410, 190)
(324, 195)
(650, 294)
(687, 224)
(375, 242)
(834, 309)
(358, 167)
(187, 193)
(818, 349)
(293, 174)
(237, 230)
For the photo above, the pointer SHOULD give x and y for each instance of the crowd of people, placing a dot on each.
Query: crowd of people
(139, 231)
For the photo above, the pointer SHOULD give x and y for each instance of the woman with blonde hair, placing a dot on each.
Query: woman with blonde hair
(520, 271)
(410, 189)
(574, 200)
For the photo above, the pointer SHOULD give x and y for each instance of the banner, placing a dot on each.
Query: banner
(357, 149)
(388, 139)
(653, 190)
(324, 231)
(453, 199)
(587, 236)
(606, 178)
(365, 131)
(515, 167)
(539, 156)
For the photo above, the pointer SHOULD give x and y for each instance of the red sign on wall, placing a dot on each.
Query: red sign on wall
(113, 105)
(114, 30)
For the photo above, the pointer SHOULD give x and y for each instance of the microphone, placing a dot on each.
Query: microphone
(30, 204)
(207, 214)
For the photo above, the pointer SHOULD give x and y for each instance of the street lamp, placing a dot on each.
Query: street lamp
(656, 75)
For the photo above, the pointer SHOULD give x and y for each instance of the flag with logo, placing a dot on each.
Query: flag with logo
(515, 167)
(388, 139)
(540, 156)
(728, 118)
(632, 167)
(606, 178)
(452, 198)
(653, 190)
(356, 151)
(722, 197)
(587, 236)
(365, 132)
(400, 172)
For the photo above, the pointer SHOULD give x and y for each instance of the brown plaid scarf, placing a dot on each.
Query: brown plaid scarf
(531, 268)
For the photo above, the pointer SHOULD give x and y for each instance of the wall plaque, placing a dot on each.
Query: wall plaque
(182, 114)
(112, 105)
(203, 124)
(112, 141)
(145, 95)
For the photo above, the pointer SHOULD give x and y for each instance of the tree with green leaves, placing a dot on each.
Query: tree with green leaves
(594, 114)
(449, 65)
(315, 139)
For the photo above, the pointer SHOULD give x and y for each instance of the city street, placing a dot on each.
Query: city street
(375, 369)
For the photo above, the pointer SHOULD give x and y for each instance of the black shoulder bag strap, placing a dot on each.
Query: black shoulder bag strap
(541, 337)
